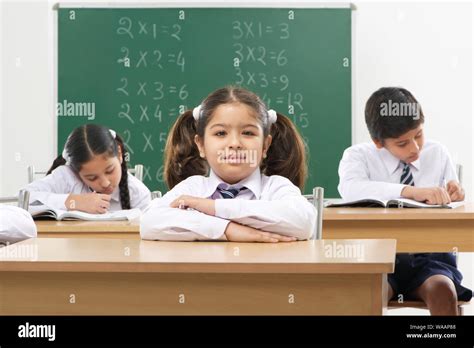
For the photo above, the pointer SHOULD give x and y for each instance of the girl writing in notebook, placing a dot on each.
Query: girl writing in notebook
(235, 170)
(90, 175)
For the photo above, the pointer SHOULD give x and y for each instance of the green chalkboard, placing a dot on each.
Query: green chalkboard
(136, 69)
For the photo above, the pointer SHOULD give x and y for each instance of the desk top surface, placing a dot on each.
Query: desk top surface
(128, 255)
(464, 212)
(53, 226)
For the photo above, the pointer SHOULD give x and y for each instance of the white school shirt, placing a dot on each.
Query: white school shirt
(16, 224)
(53, 189)
(270, 203)
(368, 172)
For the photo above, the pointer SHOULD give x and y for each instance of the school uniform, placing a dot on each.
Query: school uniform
(268, 203)
(16, 224)
(53, 190)
(368, 172)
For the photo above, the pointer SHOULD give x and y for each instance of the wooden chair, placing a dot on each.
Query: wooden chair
(23, 199)
(155, 194)
(459, 173)
(137, 171)
(317, 199)
(422, 305)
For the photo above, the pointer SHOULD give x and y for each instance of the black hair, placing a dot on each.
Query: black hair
(286, 156)
(391, 112)
(89, 140)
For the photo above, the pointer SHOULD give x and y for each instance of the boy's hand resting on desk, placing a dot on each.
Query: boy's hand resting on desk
(240, 233)
(204, 205)
(455, 191)
(428, 195)
(93, 203)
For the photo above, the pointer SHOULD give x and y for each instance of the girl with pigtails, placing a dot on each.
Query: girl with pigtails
(235, 172)
(90, 175)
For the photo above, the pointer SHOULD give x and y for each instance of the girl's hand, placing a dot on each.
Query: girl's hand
(240, 233)
(93, 203)
(455, 191)
(204, 205)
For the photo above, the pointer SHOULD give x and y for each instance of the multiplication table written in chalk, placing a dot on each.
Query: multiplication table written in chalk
(143, 67)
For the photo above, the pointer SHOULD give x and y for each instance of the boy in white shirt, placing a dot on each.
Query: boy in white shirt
(400, 163)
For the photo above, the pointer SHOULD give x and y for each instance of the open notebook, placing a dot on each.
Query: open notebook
(44, 212)
(393, 203)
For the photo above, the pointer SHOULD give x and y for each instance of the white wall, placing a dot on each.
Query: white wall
(27, 123)
(1, 97)
(425, 47)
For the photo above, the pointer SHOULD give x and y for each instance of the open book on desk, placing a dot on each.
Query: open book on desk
(44, 212)
(392, 203)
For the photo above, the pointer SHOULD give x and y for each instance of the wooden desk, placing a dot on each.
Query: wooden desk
(88, 229)
(124, 276)
(416, 230)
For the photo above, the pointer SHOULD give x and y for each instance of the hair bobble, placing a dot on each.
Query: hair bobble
(272, 116)
(113, 133)
(197, 112)
(65, 155)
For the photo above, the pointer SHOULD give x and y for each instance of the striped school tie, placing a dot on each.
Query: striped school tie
(407, 177)
(230, 193)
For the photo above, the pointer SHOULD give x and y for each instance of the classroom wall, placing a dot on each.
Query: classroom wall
(1, 97)
(425, 47)
(27, 113)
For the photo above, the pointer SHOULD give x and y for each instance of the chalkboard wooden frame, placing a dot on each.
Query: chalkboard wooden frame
(190, 5)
